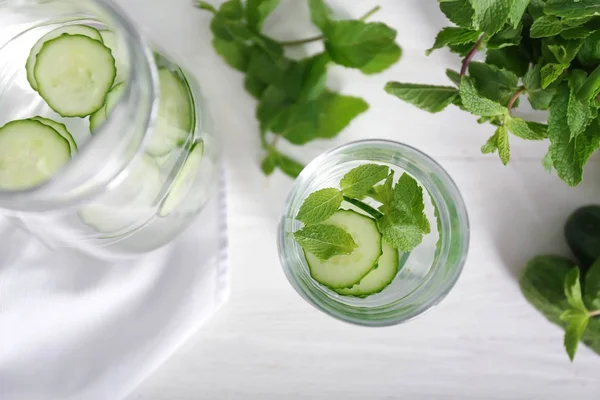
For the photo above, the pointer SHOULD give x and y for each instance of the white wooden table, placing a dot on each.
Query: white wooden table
(483, 342)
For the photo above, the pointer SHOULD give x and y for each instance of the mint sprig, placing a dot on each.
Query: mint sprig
(294, 103)
(544, 50)
(400, 216)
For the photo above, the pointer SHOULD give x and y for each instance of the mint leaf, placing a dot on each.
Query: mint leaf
(269, 163)
(272, 103)
(314, 76)
(569, 156)
(589, 53)
(203, 5)
(498, 142)
(592, 286)
(383, 60)
(507, 37)
(325, 241)
(408, 197)
(491, 15)
(563, 50)
(320, 205)
(319, 13)
(258, 10)
(547, 162)
(426, 97)
(453, 76)
(384, 194)
(539, 98)
(358, 181)
(453, 35)
(254, 86)
(299, 122)
(590, 88)
(235, 54)
(517, 10)
(572, 8)
(459, 12)
(573, 291)
(579, 113)
(577, 322)
(233, 9)
(337, 112)
(400, 230)
(514, 58)
(355, 43)
(546, 26)
(551, 72)
(289, 166)
(578, 32)
(522, 129)
(476, 103)
(494, 83)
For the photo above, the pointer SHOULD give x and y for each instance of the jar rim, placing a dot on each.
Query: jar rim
(454, 235)
(21, 200)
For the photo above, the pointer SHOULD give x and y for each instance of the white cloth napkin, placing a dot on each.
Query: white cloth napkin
(73, 327)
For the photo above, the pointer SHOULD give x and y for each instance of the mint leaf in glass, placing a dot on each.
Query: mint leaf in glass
(325, 240)
(360, 180)
(320, 205)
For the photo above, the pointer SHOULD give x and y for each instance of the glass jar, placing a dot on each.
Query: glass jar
(425, 275)
(141, 169)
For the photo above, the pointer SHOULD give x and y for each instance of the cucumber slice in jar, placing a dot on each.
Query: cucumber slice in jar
(112, 98)
(74, 73)
(61, 129)
(184, 180)
(30, 153)
(111, 41)
(175, 115)
(129, 205)
(344, 271)
(380, 277)
(70, 30)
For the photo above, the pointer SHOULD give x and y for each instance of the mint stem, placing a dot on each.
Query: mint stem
(595, 314)
(590, 87)
(364, 206)
(469, 58)
(321, 37)
(514, 97)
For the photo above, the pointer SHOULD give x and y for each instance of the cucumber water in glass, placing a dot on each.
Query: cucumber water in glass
(105, 144)
(373, 233)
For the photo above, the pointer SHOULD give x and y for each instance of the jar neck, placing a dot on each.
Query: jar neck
(102, 161)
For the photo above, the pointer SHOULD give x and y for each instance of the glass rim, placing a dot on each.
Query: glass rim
(133, 39)
(316, 295)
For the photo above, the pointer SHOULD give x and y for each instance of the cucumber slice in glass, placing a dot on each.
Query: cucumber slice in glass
(175, 115)
(111, 41)
(129, 205)
(112, 98)
(70, 30)
(30, 153)
(184, 180)
(61, 129)
(380, 277)
(344, 271)
(74, 73)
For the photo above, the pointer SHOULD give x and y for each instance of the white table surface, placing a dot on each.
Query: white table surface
(483, 342)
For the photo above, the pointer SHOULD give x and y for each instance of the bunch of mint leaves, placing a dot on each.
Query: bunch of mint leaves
(293, 100)
(400, 218)
(553, 286)
(547, 50)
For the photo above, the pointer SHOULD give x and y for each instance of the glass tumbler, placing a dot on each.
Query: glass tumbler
(426, 274)
(141, 167)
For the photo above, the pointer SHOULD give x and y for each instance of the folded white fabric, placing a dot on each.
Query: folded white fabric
(73, 327)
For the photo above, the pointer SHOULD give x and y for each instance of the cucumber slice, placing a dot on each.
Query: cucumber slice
(70, 30)
(184, 180)
(379, 278)
(30, 153)
(131, 204)
(74, 73)
(344, 271)
(111, 41)
(61, 129)
(175, 115)
(112, 98)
